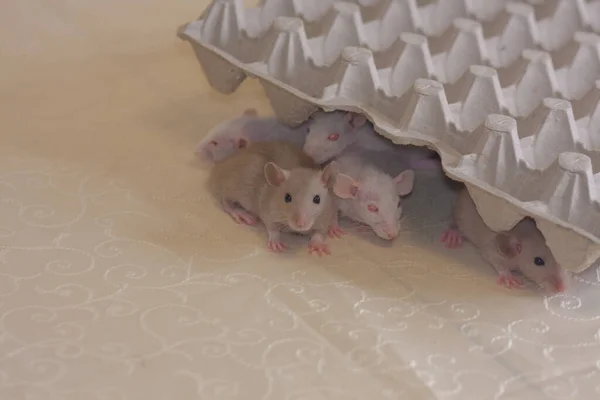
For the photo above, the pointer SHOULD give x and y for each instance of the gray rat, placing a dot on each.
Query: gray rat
(278, 183)
(371, 196)
(523, 248)
(330, 133)
(226, 138)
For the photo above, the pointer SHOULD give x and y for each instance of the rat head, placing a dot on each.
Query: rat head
(376, 200)
(526, 247)
(329, 133)
(225, 139)
(301, 195)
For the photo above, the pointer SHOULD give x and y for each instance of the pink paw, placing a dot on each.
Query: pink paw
(276, 246)
(336, 232)
(243, 217)
(452, 238)
(509, 281)
(319, 248)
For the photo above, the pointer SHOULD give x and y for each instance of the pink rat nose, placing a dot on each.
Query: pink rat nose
(390, 233)
(560, 285)
(300, 222)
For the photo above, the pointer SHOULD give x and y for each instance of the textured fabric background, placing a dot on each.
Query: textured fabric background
(121, 280)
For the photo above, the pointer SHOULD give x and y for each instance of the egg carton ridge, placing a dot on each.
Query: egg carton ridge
(523, 137)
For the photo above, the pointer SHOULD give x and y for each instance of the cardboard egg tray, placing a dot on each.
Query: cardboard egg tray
(508, 93)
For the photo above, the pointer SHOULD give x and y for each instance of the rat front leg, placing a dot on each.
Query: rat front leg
(239, 214)
(335, 231)
(452, 237)
(506, 277)
(275, 243)
(317, 244)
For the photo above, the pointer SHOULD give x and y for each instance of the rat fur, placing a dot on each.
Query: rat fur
(279, 184)
(371, 196)
(523, 248)
(330, 133)
(226, 138)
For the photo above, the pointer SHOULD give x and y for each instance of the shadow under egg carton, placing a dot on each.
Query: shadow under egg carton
(511, 134)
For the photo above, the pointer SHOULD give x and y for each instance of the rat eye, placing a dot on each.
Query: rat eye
(333, 137)
(288, 198)
(317, 199)
(214, 142)
(539, 261)
(373, 208)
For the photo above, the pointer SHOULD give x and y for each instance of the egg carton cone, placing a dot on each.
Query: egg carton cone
(508, 93)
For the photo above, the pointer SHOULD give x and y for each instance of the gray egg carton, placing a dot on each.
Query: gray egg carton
(508, 93)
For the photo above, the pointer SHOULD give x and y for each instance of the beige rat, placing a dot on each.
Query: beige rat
(523, 248)
(278, 183)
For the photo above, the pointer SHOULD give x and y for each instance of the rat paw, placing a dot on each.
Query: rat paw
(509, 281)
(452, 238)
(243, 217)
(336, 232)
(318, 247)
(276, 246)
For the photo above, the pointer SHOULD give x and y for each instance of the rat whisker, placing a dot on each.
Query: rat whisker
(355, 223)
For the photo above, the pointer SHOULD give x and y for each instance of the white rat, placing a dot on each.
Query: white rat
(523, 248)
(231, 135)
(280, 184)
(371, 196)
(330, 133)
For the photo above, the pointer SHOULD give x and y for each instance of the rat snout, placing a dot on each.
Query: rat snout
(391, 234)
(391, 230)
(386, 232)
(559, 284)
(310, 150)
(315, 152)
(554, 284)
(300, 223)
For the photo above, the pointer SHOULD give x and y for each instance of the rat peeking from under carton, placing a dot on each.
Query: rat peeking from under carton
(523, 248)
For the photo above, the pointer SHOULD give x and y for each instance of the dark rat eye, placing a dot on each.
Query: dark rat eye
(317, 199)
(288, 198)
(539, 261)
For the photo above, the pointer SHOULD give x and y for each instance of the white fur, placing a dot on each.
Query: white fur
(250, 128)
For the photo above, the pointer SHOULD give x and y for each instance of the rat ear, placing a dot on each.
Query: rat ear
(355, 120)
(241, 143)
(404, 182)
(345, 187)
(509, 246)
(250, 112)
(328, 173)
(274, 175)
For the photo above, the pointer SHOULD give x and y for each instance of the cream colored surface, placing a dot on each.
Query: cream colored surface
(119, 278)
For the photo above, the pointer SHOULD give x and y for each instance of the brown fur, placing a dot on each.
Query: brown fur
(511, 250)
(240, 177)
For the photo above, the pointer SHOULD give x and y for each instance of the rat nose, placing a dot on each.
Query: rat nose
(299, 221)
(391, 233)
(560, 285)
